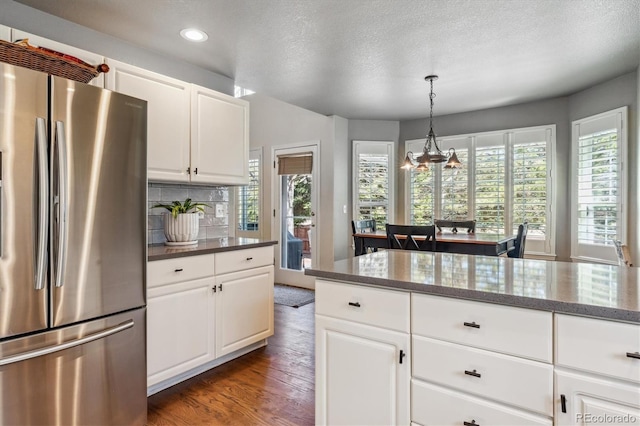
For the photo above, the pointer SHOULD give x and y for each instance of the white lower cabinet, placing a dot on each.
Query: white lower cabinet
(363, 355)
(362, 374)
(244, 308)
(197, 320)
(179, 317)
(433, 405)
(587, 399)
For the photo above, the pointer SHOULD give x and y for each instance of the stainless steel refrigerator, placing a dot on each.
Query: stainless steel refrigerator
(72, 252)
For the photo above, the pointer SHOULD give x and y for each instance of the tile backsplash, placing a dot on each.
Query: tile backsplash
(216, 197)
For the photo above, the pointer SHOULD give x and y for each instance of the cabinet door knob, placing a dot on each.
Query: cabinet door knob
(473, 423)
(635, 355)
(356, 304)
(563, 403)
(472, 373)
(471, 324)
(178, 270)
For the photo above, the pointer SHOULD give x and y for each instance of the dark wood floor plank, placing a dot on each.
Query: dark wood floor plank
(273, 385)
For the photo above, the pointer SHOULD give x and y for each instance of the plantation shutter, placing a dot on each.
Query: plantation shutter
(421, 190)
(599, 152)
(455, 189)
(490, 184)
(249, 196)
(373, 181)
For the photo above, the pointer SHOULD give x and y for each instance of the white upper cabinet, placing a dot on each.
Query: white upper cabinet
(5, 33)
(219, 138)
(88, 57)
(168, 115)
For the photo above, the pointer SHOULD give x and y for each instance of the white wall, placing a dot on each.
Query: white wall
(276, 124)
(341, 186)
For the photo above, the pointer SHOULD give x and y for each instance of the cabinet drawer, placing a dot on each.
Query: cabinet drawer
(516, 381)
(367, 305)
(168, 271)
(434, 405)
(238, 260)
(515, 331)
(598, 346)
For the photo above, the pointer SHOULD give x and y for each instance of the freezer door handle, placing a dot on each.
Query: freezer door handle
(61, 202)
(43, 202)
(67, 345)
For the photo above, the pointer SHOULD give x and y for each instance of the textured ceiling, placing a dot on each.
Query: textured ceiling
(367, 58)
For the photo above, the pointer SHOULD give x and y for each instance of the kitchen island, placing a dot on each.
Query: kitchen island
(206, 304)
(438, 338)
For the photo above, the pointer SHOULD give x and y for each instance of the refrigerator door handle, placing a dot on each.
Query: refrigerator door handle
(43, 202)
(67, 345)
(61, 203)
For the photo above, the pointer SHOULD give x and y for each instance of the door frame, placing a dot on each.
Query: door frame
(286, 276)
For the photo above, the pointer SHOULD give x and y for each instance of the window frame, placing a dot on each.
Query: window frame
(374, 147)
(601, 253)
(536, 247)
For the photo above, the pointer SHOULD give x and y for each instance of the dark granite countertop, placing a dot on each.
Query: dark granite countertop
(604, 291)
(214, 245)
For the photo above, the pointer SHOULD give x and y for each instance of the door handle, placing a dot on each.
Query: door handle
(473, 373)
(43, 201)
(63, 215)
(402, 355)
(471, 324)
(563, 403)
(356, 304)
(472, 423)
(635, 355)
(67, 345)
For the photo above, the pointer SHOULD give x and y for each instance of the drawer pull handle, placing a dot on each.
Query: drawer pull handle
(249, 258)
(471, 324)
(473, 423)
(635, 355)
(220, 287)
(402, 355)
(472, 373)
(177, 270)
(356, 304)
(563, 403)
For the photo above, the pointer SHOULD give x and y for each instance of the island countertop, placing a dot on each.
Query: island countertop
(603, 291)
(212, 245)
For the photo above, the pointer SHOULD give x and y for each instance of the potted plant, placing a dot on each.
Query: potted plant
(181, 225)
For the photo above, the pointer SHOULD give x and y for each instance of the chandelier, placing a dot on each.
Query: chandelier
(431, 152)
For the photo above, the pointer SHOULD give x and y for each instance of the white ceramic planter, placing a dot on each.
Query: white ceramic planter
(181, 229)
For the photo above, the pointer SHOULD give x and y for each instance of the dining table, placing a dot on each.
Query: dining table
(482, 244)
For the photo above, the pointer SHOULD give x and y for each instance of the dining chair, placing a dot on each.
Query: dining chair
(363, 226)
(622, 251)
(402, 237)
(518, 249)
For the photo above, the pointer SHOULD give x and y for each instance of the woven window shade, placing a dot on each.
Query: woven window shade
(295, 165)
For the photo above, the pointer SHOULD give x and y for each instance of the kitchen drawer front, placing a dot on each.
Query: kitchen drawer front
(515, 331)
(503, 378)
(239, 260)
(434, 405)
(169, 271)
(367, 305)
(599, 346)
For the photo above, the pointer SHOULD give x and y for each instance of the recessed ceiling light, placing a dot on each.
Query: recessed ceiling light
(193, 34)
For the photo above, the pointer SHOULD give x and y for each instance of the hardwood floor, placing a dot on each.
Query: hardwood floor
(273, 385)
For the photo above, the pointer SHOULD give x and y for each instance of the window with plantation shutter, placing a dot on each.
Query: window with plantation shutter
(421, 190)
(455, 189)
(599, 185)
(490, 185)
(373, 163)
(248, 197)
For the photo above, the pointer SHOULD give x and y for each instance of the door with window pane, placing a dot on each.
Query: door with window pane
(295, 180)
(599, 185)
